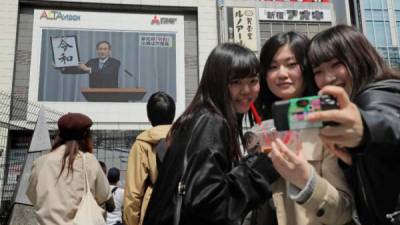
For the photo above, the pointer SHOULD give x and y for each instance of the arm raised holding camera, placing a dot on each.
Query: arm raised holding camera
(349, 130)
(373, 118)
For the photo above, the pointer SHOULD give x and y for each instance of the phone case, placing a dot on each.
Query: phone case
(292, 114)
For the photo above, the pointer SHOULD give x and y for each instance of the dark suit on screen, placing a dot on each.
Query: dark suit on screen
(105, 77)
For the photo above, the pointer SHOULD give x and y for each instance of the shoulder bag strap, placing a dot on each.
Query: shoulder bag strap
(394, 218)
(181, 184)
(87, 186)
(114, 189)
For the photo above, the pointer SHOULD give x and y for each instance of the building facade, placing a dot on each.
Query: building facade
(252, 22)
(380, 22)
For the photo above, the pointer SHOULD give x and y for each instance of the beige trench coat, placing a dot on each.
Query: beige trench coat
(331, 200)
(141, 174)
(56, 202)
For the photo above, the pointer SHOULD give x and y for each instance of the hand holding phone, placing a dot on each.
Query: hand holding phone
(349, 131)
(292, 114)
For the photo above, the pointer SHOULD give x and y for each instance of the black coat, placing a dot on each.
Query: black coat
(216, 191)
(375, 173)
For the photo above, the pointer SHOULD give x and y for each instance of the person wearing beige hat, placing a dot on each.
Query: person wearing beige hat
(57, 182)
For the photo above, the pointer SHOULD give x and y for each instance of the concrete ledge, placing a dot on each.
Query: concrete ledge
(23, 215)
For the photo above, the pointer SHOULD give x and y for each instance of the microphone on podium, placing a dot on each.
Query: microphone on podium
(133, 76)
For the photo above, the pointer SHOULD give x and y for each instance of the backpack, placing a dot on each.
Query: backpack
(160, 150)
(113, 194)
(122, 211)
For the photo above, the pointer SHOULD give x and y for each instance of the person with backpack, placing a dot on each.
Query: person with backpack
(115, 217)
(142, 170)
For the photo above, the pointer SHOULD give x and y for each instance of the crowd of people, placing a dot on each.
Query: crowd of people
(196, 170)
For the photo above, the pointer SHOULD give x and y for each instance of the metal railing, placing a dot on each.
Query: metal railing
(17, 121)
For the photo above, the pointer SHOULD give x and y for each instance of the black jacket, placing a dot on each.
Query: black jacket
(375, 173)
(216, 191)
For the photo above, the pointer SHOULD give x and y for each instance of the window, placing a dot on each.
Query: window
(377, 15)
(394, 53)
(388, 34)
(397, 14)
(385, 15)
(396, 4)
(277, 28)
(380, 15)
(384, 4)
(313, 28)
(367, 4)
(265, 26)
(301, 28)
(289, 27)
(265, 31)
(370, 32)
(383, 52)
(377, 4)
(382, 34)
(265, 35)
(368, 14)
(398, 31)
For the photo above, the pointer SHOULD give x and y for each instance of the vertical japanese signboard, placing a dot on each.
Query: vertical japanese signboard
(244, 27)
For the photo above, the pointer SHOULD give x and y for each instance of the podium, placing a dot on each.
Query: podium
(113, 94)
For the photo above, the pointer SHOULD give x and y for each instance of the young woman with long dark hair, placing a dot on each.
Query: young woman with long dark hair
(220, 186)
(312, 189)
(367, 137)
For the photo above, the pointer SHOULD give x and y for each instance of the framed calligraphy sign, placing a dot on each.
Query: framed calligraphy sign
(65, 51)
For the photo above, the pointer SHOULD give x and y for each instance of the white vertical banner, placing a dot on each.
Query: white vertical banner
(41, 137)
(245, 27)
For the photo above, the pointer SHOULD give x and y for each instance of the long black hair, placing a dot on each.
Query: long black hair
(298, 44)
(351, 48)
(225, 63)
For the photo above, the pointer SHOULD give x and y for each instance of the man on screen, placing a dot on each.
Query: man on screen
(103, 70)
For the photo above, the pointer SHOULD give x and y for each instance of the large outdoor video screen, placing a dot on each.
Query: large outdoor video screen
(133, 60)
(83, 62)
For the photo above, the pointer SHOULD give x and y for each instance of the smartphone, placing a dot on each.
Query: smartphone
(292, 114)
